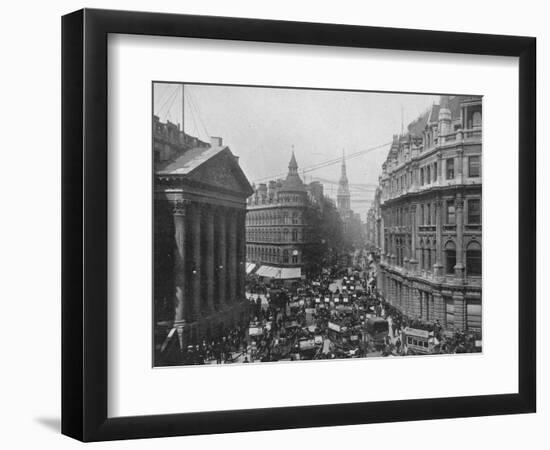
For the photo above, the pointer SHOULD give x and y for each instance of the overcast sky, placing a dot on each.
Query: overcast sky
(263, 125)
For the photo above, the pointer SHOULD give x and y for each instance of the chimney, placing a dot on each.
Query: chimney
(263, 192)
(271, 190)
(216, 141)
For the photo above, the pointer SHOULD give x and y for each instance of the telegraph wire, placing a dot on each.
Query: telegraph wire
(327, 163)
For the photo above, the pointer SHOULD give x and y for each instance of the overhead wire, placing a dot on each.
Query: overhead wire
(326, 163)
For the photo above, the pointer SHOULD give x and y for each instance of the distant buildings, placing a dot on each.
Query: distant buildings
(200, 196)
(278, 225)
(353, 227)
(373, 225)
(429, 217)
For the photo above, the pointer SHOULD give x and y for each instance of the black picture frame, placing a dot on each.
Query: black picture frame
(84, 224)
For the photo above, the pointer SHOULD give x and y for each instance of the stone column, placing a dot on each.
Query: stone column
(209, 263)
(221, 262)
(232, 257)
(459, 209)
(413, 262)
(180, 276)
(241, 280)
(196, 293)
(438, 267)
(439, 168)
(417, 222)
(459, 175)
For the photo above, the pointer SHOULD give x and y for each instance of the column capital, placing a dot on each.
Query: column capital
(179, 207)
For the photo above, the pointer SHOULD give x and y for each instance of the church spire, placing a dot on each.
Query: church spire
(343, 195)
(343, 175)
(293, 165)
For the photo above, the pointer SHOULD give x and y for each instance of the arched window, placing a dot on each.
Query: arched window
(476, 119)
(285, 256)
(450, 257)
(473, 259)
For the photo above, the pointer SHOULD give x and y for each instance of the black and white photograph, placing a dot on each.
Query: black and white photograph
(299, 224)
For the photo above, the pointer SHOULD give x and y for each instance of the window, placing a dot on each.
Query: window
(285, 256)
(435, 172)
(450, 163)
(294, 235)
(474, 211)
(422, 176)
(473, 315)
(450, 257)
(428, 215)
(474, 166)
(421, 215)
(428, 177)
(451, 217)
(449, 311)
(473, 259)
(476, 119)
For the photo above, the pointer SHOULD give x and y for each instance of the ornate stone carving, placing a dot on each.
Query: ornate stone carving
(179, 207)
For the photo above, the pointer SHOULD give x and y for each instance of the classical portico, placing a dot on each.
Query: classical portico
(204, 195)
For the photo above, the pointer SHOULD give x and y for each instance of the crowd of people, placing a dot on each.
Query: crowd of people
(338, 314)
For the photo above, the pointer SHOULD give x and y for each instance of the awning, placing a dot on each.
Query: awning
(250, 268)
(263, 271)
(279, 273)
(289, 273)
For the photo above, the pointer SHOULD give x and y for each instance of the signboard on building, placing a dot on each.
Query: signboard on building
(423, 334)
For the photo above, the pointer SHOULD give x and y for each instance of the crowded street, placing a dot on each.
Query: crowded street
(337, 315)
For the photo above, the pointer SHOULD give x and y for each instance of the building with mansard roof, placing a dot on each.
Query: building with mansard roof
(429, 217)
(278, 229)
(200, 194)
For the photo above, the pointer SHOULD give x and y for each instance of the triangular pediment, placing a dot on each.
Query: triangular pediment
(222, 171)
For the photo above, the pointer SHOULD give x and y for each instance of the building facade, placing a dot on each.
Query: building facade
(278, 228)
(200, 197)
(430, 216)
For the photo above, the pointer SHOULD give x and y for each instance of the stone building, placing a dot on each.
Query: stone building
(430, 216)
(200, 197)
(278, 228)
